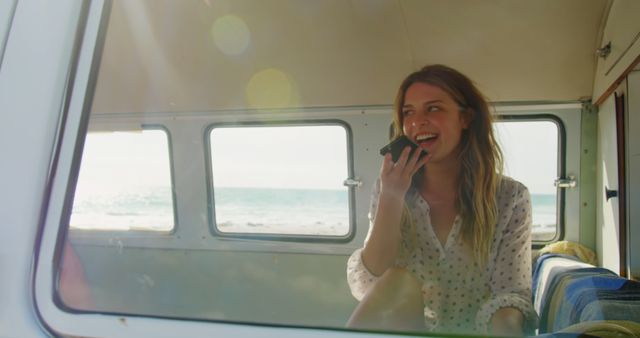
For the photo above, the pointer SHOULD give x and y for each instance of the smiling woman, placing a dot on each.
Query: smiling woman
(448, 222)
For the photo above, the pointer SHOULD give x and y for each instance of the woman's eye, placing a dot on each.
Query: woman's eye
(406, 112)
(433, 108)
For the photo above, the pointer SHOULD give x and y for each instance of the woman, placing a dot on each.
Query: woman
(448, 248)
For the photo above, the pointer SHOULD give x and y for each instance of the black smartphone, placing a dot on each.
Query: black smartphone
(396, 146)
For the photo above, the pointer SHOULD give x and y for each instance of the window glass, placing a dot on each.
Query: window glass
(196, 67)
(124, 182)
(284, 180)
(530, 150)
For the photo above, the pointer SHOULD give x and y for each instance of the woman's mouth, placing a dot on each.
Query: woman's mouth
(425, 140)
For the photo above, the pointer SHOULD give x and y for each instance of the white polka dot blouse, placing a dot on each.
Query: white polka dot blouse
(458, 295)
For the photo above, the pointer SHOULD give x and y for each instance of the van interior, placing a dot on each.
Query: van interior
(224, 163)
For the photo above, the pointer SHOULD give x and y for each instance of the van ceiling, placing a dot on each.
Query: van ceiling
(208, 55)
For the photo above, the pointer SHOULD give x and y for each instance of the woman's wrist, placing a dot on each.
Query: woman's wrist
(391, 197)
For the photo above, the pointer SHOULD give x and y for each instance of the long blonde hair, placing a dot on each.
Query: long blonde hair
(480, 156)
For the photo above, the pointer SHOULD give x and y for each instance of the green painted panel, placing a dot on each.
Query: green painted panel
(588, 178)
(292, 289)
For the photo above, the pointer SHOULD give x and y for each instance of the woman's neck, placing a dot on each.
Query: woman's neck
(440, 181)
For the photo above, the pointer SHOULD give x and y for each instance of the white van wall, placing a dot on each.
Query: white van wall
(33, 79)
(607, 227)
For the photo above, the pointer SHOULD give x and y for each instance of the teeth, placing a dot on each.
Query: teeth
(424, 137)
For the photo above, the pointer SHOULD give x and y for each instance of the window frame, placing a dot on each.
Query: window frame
(48, 244)
(7, 10)
(560, 172)
(280, 237)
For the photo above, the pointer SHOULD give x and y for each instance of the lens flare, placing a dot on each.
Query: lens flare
(231, 35)
(270, 88)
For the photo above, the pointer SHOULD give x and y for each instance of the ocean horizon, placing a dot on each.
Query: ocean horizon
(251, 210)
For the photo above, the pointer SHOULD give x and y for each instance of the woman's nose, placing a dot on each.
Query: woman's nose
(420, 120)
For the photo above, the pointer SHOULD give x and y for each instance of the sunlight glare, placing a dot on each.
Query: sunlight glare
(231, 35)
(270, 88)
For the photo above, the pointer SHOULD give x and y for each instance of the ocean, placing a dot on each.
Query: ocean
(251, 210)
(282, 211)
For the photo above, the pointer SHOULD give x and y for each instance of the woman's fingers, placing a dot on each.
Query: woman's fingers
(387, 164)
(410, 167)
(404, 156)
(415, 162)
(420, 162)
(409, 162)
(396, 177)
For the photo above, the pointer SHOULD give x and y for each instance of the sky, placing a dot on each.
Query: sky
(281, 157)
(287, 157)
(530, 153)
(117, 161)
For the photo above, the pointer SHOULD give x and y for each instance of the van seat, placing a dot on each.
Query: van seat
(568, 292)
(547, 266)
(605, 329)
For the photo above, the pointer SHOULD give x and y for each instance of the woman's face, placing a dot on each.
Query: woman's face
(432, 119)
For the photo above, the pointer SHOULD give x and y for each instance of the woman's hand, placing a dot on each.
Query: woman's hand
(380, 250)
(395, 178)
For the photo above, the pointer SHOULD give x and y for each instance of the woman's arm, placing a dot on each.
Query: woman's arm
(509, 309)
(381, 248)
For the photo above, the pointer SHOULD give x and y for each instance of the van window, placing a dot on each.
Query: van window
(280, 180)
(256, 140)
(124, 182)
(531, 150)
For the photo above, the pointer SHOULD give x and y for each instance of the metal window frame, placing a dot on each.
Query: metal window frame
(561, 165)
(280, 237)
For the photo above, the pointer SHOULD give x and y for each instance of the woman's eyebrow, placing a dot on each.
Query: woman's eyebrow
(424, 103)
(432, 102)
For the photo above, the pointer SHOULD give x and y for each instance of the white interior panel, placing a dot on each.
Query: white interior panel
(211, 55)
(607, 211)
